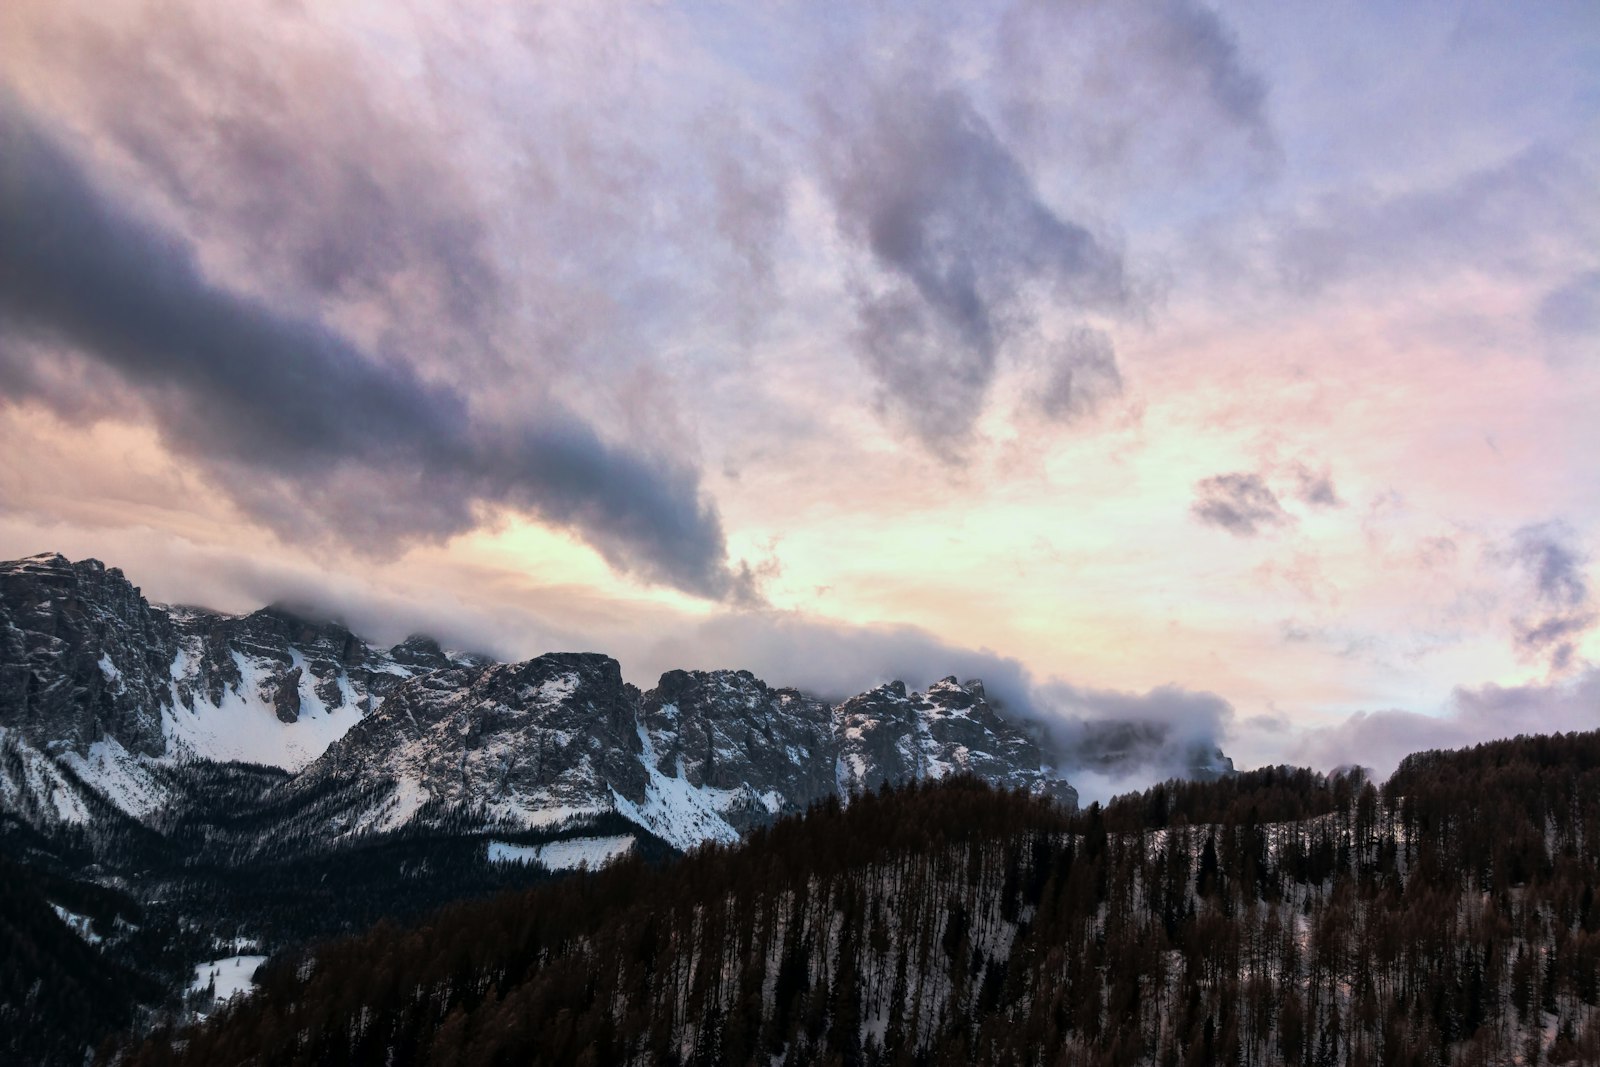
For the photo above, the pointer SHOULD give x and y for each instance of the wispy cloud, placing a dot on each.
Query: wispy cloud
(962, 241)
(1555, 566)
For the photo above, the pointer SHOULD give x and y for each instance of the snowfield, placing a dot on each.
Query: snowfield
(228, 977)
(591, 852)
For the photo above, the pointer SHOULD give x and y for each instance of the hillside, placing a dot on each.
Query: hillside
(1276, 917)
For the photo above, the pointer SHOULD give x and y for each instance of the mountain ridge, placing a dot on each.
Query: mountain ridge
(102, 690)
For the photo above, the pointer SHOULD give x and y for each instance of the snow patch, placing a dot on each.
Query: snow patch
(81, 925)
(555, 690)
(679, 813)
(592, 852)
(407, 799)
(228, 977)
(119, 776)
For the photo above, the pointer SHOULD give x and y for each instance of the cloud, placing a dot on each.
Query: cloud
(304, 429)
(1555, 567)
(962, 242)
(1572, 309)
(1315, 487)
(1546, 554)
(1081, 374)
(1496, 220)
(1191, 102)
(1381, 739)
(829, 658)
(1240, 503)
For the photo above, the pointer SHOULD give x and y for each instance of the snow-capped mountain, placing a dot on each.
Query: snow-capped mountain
(189, 779)
(703, 756)
(104, 696)
(99, 688)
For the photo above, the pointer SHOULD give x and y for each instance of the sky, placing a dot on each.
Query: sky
(1234, 368)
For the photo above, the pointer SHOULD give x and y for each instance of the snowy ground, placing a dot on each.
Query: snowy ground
(593, 852)
(230, 976)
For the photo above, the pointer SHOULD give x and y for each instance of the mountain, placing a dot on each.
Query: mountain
(102, 691)
(706, 755)
(1274, 917)
(205, 781)
(97, 685)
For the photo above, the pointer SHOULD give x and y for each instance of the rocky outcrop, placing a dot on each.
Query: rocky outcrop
(728, 731)
(82, 656)
(286, 698)
(890, 736)
(522, 744)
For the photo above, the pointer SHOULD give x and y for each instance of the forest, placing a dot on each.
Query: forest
(1274, 917)
(158, 899)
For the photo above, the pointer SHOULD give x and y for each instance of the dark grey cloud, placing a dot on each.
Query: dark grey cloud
(337, 188)
(1315, 487)
(1240, 503)
(299, 425)
(1555, 566)
(1161, 89)
(1081, 375)
(1546, 552)
(963, 241)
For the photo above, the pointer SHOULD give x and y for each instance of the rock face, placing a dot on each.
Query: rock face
(703, 755)
(82, 656)
(286, 698)
(889, 735)
(727, 731)
(519, 745)
(102, 692)
(98, 686)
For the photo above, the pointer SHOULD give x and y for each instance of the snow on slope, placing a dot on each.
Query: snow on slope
(681, 814)
(244, 725)
(81, 925)
(591, 852)
(119, 776)
(29, 778)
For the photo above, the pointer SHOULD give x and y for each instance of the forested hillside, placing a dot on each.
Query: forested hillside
(1275, 917)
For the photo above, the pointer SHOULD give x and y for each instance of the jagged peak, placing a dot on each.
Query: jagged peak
(50, 558)
(676, 682)
(55, 561)
(421, 642)
(556, 664)
(301, 615)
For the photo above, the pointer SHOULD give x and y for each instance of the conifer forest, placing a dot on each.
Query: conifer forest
(1447, 916)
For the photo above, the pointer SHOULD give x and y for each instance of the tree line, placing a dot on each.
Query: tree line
(1274, 917)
